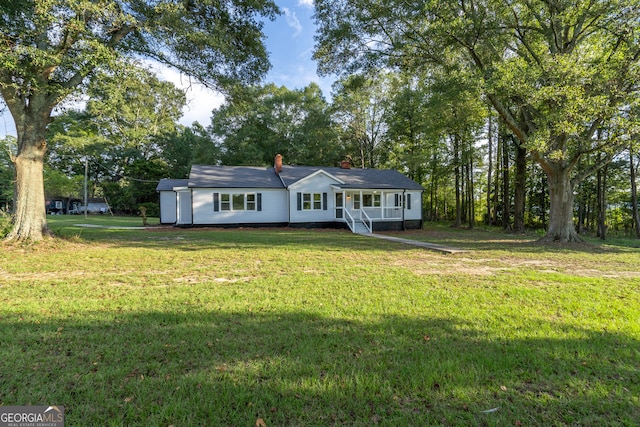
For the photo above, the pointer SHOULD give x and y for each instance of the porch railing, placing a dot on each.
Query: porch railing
(366, 220)
(349, 220)
(384, 213)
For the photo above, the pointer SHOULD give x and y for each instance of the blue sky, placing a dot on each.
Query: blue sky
(290, 45)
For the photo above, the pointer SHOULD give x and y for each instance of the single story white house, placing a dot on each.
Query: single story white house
(364, 200)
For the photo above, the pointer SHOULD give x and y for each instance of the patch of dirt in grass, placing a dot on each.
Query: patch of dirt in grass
(490, 266)
(40, 275)
(200, 279)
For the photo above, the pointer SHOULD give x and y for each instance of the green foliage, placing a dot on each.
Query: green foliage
(556, 72)
(6, 225)
(257, 123)
(7, 170)
(58, 184)
(185, 147)
(52, 49)
(218, 43)
(152, 209)
(361, 108)
(566, 68)
(129, 115)
(130, 107)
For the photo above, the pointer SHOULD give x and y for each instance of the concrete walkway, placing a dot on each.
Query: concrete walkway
(432, 246)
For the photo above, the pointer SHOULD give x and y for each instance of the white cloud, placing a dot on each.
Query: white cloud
(292, 21)
(305, 3)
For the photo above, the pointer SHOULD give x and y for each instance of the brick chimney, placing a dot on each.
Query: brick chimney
(277, 164)
(345, 164)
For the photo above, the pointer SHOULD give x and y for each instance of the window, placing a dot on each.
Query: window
(306, 201)
(225, 204)
(356, 201)
(339, 205)
(312, 201)
(371, 200)
(237, 202)
(251, 202)
(403, 200)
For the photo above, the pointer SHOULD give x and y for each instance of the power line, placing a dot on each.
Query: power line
(120, 176)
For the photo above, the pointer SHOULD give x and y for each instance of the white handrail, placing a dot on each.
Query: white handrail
(352, 224)
(368, 219)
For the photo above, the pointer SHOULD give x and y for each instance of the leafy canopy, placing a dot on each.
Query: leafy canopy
(556, 71)
(49, 47)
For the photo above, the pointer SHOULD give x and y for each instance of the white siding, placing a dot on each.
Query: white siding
(168, 208)
(416, 206)
(274, 207)
(184, 207)
(320, 183)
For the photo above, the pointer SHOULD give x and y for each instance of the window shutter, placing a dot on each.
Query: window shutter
(409, 201)
(259, 196)
(397, 200)
(324, 201)
(299, 196)
(216, 202)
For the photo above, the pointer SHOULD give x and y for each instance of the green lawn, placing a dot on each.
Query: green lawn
(181, 327)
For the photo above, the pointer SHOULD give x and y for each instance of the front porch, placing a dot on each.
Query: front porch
(361, 209)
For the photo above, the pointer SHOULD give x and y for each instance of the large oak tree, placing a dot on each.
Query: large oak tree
(49, 49)
(556, 71)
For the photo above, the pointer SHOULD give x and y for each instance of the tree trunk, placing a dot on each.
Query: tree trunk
(30, 217)
(520, 189)
(506, 196)
(543, 200)
(561, 226)
(496, 182)
(433, 203)
(470, 198)
(463, 189)
(489, 218)
(634, 194)
(456, 160)
(602, 202)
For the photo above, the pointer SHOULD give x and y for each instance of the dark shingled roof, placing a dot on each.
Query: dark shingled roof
(168, 184)
(233, 177)
(203, 176)
(354, 178)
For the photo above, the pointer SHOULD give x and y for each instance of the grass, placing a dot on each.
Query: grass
(319, 327)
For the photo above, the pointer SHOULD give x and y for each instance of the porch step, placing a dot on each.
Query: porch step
(360, 228)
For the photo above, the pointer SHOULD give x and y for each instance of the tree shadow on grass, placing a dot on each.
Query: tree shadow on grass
(218, 238)
(193, 239)
(208, 368)
(492, 240)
